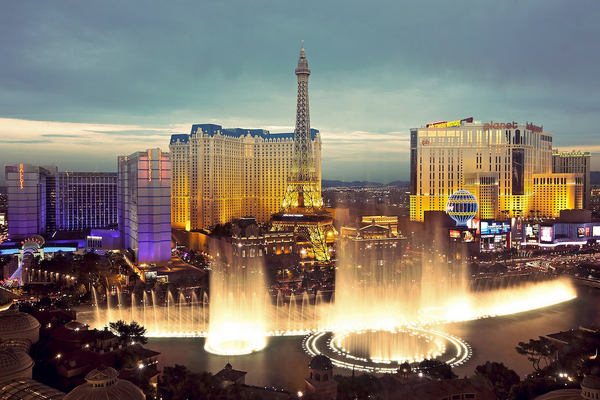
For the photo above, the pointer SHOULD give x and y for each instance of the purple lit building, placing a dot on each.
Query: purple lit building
(30, 190)
(144, 205)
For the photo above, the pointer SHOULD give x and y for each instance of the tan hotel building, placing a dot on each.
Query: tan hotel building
(220, 174)
(507, 166)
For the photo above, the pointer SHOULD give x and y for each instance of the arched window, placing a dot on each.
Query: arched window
(325, 377)
(317, 377)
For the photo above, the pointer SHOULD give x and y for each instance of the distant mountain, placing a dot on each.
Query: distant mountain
(399, 184)
(595, 177)
(328, 183)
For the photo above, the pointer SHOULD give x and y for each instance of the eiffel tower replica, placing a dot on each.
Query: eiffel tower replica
(302, 210)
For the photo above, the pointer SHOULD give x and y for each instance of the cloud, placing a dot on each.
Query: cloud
(129, 72)
(24, 141)
(55, 135)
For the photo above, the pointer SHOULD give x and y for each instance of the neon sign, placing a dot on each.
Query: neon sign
(513, 125)
(496, 125)
(534, 128)
(21, 180)
(149, 165)
(159, 165)
(450, 124)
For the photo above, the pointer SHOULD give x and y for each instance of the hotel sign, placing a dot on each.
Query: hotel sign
(21, 180)
(511, 125)
(450, 124)
(496, 125)
(534, 128)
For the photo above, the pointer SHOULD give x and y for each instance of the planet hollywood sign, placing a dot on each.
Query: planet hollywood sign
(511, 125)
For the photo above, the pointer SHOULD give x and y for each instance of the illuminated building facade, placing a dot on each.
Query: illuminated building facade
(556, 192)
(30, 197)
(220, 174)
(144, 205)
(85, 200)
(43, 200)
(500, 163)
(574, 162)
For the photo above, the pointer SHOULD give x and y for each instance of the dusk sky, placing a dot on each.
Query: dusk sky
(82, 82)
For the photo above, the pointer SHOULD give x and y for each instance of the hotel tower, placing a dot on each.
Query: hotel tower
(508, 166)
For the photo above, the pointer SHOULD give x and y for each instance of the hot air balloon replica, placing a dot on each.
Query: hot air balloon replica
(462, 207)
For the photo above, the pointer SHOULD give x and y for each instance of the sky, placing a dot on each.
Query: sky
(82, 82)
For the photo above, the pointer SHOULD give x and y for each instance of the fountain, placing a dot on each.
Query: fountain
(381, 315)
(238, 309)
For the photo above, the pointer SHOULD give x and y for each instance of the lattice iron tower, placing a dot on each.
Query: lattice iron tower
(302, 208)
(303, 189)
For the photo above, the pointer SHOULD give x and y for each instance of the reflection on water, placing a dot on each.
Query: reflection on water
(283, 364)
(495, 339)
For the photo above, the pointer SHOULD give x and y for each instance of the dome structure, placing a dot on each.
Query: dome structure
(103, 383)
(14, 363)
(590, 387)
(320, 380)
(591, 382)
(320, 363)
(405, 368)
(75, 326)
(15, 324)
(462, 207)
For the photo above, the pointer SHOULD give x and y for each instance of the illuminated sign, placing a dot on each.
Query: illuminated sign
(294, 215)
(474, 224)
(450, 124)
(532, 232)
(21, 180)
(468, 237)
(581, 231)
(494, 227)
(149, 165)
(484, 227)
(533, 127)
(587, 231)
(496, 125)
(455, 234)
(546, 233)
(596, 230)
(159, 165)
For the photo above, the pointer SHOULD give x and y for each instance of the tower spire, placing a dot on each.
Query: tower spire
(303, 186)
(302, 209)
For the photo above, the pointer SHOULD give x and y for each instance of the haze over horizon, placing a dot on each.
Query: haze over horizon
(84, 82)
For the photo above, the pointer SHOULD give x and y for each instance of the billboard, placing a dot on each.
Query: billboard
(474, 224)
(580, 231)
(546, 234)
(518, 172)
(449, 124)
(494, 227)
(532, 232)
(596, 230)
(468, 237)
(465, 236)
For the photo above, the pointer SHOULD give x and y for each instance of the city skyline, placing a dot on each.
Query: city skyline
(109, 75)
